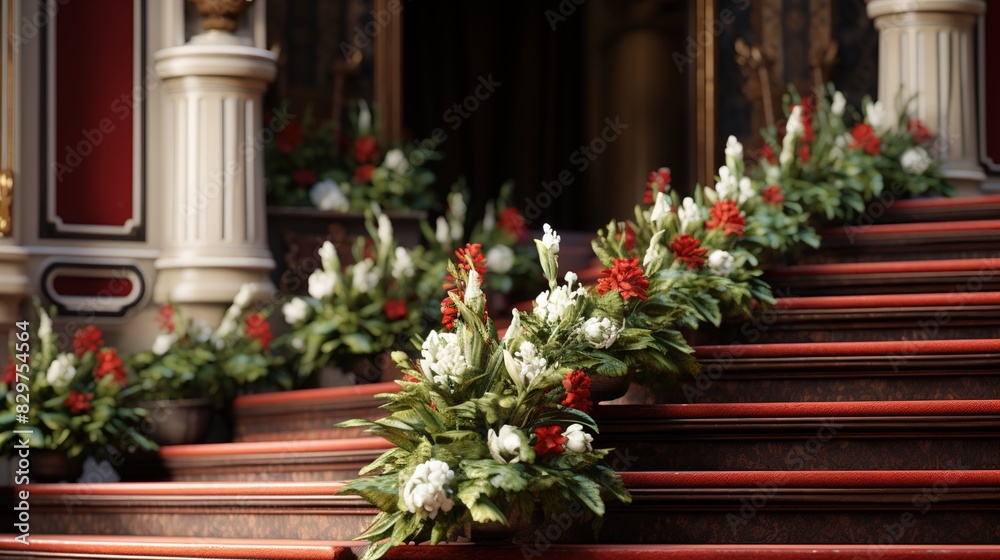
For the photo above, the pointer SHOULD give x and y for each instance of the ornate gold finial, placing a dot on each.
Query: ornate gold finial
(6, 202)
(220, 15)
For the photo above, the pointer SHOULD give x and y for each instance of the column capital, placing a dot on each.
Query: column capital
(879, 8)
(243, 62)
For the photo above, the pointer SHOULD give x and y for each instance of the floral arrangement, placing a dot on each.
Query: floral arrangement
(486, 428)
(358, 310)
(832, 169)
(502, 231)
(307, 167)
(191, 360)
(489, 428)
(79, 400)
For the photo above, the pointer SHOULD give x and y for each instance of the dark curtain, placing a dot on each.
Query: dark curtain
(528, 127)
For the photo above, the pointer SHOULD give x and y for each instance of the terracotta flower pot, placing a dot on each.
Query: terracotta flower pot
(54, 466)
(179, 421)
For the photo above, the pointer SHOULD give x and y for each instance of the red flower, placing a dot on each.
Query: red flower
(363, 174)
(395, 309)
(772, 195)
(804, 152)
(78, 402)
(474, 250)
(767, 152)
(410, 379)
(449, 311)
(512, 222)
(166, 318)
(657, 182)
(688, 249)
(577, 386)
(304, 177)
(10, 372)
(87, 339)
(365, 149)
(917, 130)
(726, 215)
(629, 237)
(289, 137)
(259, 329)
(626, 277)
(808, 107)
(549, 440)
(863, 136)
(108, 362)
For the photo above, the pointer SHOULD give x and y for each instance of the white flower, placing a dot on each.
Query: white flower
(836, 153)
(720, 263)
(877, 117)
(61, 371)
(515, 326)
(457, 230)
(402, 266)
(726, 186)
(553, 307)
(322, 283)
(571, 278)
(428, 490)
(163, 342)
(577, 440)
(297, 343)
(441, 232)
(915, 160)
(384, 230)
(506, 447)
(661, 209)
(456, 205)
(525, 365)
(473, 293)
(838, 104)
(326, 195)
(746, 190)
(655, 250)
(243, 297)
(44, 326)
(733, 148)
(200, 331)
(689, 213)
(500, 258)
(442, 358)
(296, 311)
(793, 129)
(366, 275)
(550, 238)
(600, 332)
(328, 256)
(490, 218)
(395, 160)
(795, 125)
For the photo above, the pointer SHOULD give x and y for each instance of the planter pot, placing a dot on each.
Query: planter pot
(609, 388)
(53, 466)
(294, 235)
(180, 421)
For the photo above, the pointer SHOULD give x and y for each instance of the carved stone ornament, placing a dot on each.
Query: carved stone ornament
(220, 15)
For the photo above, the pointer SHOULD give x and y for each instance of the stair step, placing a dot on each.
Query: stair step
(803, 436)
(541, 549)
(306, 413)
(114, 546)
(871, 317)
(727, 507)
(292, 460)
(941, 209)
(909, 241)
(887, 277)
(837, 371)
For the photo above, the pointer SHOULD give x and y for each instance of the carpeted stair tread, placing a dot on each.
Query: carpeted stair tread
(867, 348)
(793, 410)
(888, 267)
(876, 230)
(891, 301)
(123, 546)
(812, 479)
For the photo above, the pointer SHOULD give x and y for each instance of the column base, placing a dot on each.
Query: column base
(211, 281)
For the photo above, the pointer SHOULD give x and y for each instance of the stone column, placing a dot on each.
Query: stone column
(927, 47)
(215, 231)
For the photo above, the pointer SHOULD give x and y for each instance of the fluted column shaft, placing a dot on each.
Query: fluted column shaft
(927, 47)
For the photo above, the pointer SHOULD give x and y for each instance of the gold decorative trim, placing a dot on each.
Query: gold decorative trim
(7, 174)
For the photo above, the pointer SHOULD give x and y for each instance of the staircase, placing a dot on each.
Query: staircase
(858, 418)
